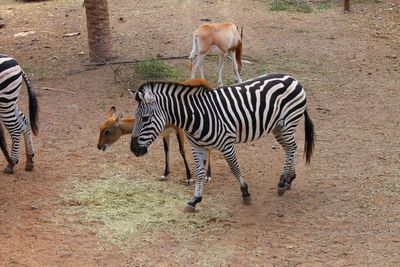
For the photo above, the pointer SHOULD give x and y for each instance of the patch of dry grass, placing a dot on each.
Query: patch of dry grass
(129, 208)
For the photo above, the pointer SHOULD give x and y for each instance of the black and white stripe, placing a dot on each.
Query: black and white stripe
(11, 76)
(222, 117)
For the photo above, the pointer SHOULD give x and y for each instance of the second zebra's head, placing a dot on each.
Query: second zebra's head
(149, 120)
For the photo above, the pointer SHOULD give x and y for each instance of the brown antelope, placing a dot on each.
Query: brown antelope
(217, 38)
(116, 126)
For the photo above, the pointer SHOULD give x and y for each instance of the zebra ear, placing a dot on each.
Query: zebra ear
(139, 96)
(132, 91)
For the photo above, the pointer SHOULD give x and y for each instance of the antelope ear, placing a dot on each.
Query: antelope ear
(121, 116)
(112, 111)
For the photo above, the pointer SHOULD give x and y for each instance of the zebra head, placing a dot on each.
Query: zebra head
(149, 121)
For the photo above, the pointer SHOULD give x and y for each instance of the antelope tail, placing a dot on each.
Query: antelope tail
(238, 54)
(239, 49)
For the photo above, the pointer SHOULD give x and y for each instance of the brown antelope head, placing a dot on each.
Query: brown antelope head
(113, 128)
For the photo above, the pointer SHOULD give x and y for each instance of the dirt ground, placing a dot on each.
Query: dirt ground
(343, 209)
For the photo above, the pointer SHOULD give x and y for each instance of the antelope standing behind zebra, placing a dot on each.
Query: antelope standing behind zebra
(220, 118)
(217, 38)
(116, 126)
(11, 75)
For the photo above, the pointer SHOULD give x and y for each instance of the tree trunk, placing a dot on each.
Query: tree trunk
(98, 28)
(346, 6)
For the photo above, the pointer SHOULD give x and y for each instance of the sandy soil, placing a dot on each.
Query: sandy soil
(344, 207)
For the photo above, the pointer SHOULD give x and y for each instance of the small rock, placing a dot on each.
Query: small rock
(280, 215)
(24, 34)
(73, 202)
(34, 207)
(71, 34)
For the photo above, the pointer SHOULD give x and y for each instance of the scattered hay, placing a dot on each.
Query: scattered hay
(129, 209)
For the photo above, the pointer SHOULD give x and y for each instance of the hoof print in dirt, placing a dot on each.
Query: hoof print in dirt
(246, 201)
(190, 209)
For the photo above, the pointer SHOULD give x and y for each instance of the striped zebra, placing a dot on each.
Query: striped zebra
(222, 117)
(11, 117)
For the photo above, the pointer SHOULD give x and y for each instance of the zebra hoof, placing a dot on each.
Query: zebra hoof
(246, 200)
(9, 170)
(189, 182)
(163, 178)
(281, 190)
(190, 209)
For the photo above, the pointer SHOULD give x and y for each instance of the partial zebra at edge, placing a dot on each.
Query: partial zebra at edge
(11, 75)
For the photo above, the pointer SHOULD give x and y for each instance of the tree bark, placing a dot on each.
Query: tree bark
(346, 6)
(98, 29)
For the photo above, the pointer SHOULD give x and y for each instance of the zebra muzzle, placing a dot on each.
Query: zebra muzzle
(137, 149)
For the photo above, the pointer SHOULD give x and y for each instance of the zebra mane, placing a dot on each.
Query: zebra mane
(189, 86)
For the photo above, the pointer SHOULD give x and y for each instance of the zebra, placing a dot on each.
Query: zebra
(14, 120)
(223, 117)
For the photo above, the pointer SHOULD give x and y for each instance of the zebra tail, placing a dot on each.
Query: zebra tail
(309, 137)
(33, 106)
(3, 145)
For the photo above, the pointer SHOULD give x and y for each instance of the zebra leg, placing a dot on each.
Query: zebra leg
(15, 137)
(166, 152)
(208, 176)
(286, 138)
(230, 156)
(200, 157)
(180, 134)
(30, 152)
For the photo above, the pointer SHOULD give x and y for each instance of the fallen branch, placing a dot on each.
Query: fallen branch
(130, 61)
(103, 62)
(57, 90)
